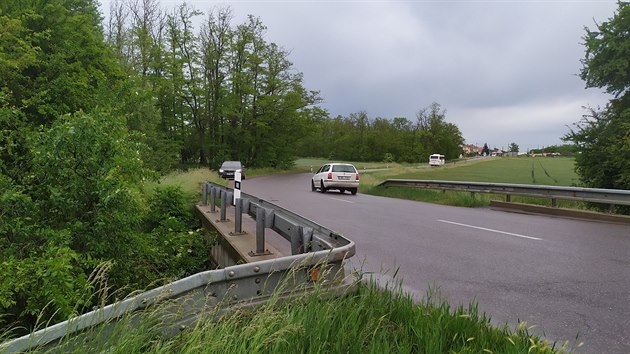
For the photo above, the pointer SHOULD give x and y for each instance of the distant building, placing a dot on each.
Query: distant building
(471, 149)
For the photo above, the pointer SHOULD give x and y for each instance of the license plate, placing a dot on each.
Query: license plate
(344, 177)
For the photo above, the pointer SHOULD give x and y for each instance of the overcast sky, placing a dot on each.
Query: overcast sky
(505, 71)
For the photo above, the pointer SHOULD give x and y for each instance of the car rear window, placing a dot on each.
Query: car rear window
(236, 165)
(344, 168)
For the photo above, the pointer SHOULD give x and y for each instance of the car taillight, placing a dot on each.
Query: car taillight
(357, 178)
(329, 175)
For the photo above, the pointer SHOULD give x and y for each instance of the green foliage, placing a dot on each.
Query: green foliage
(60, 61)
(485, 151)
(39, 274)
(172, 225)
(221, 92)
(602, 138)
(360, 138)
(603, 143)
(76, 136)
(47, 285)
(436, 135)
(88, 173)
(606, 64)
(513, 147)
(83, 205)
(15, 159)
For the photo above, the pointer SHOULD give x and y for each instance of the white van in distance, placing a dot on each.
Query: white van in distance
(436, 160)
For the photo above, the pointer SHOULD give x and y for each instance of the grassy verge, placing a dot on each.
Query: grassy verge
(370, 320)
(522, 170)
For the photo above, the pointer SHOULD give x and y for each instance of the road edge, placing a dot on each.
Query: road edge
(569, 213)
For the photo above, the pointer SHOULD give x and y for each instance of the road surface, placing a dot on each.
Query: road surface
(567, 277)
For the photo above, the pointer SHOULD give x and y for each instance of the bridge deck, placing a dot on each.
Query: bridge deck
(237, 249)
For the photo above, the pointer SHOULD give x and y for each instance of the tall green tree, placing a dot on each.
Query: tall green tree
(58, 59)
(437, 136)
(602, 137)
(485, 151)
(216, 37)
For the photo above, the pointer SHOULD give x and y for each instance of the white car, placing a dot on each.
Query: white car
(340, 176)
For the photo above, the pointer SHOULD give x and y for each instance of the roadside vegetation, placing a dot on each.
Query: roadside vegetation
(371, 319)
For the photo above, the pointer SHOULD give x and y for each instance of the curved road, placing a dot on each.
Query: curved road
(567, 277)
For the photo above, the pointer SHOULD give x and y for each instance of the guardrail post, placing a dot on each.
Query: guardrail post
(261, 216)
(260, 230)
(554, 202)
(223, 205)
(213, 199)
(204, 190)
(307, 237)
(297, 242)
(508, 198)
(238, 218)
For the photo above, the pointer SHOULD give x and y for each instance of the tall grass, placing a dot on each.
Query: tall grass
(370, 320)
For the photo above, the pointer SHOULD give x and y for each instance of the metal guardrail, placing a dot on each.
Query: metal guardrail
(304, 234)
(317, 262)
(594, 195)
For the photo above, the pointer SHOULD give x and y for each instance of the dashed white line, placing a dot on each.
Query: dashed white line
(491, 230)
(343, 200)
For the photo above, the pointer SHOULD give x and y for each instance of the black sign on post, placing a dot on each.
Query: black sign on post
(237, 185)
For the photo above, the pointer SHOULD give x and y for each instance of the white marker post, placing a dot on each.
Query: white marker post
(237, 185)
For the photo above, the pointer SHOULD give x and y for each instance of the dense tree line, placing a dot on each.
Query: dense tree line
(359, 138)
(602, 137)
(224, 92)
(564, 149)
(209, 94)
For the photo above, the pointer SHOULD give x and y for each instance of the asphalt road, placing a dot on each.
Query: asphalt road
(566, 277)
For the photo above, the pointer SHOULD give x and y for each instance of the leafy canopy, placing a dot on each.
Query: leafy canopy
(602, 137)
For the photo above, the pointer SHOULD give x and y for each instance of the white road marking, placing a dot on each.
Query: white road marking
(343, 200)
(491, 230)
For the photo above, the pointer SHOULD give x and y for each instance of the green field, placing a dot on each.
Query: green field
(557, 171)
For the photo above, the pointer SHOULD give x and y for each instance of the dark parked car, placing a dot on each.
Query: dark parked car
(228, 168)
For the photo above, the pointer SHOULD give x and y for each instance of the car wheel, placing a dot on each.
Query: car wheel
(313, 188)
(342, 191)
(353, 191)
(321, 187)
